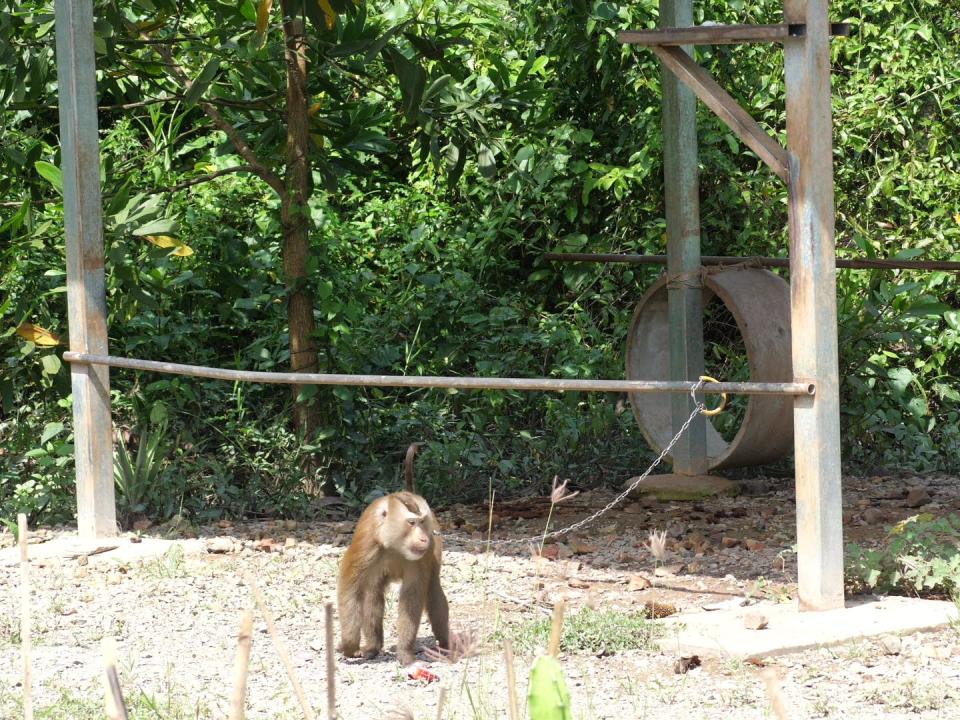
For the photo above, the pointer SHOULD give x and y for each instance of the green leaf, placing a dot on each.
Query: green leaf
(486, 162)
(51, 364)
(412, 80)
(548, 697)
(200, 85)
(51, 173)
(50, 430)
(435, 87)
(161, 226)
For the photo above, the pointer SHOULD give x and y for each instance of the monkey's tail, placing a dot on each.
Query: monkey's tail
(408, 479)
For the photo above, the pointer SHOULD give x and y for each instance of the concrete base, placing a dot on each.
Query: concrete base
(672, 486)
(69, 547)
(723, 632)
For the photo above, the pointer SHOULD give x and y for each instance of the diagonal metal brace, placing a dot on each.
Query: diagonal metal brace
(725, 108)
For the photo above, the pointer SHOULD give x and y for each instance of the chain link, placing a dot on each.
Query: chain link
(699, 407)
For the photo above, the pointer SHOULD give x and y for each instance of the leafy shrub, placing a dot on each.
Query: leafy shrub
(921, 557)
(590, 630)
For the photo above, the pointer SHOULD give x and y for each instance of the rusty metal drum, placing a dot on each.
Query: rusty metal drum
(759, 301)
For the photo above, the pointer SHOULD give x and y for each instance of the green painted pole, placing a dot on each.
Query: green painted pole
(684, 294)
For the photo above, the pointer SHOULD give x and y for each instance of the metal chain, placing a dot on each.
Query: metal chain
(699, 407)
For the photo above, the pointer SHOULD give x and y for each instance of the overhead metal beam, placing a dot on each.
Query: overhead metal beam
(86, 291)
(717, 34)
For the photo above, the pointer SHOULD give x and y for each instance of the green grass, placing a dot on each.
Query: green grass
(589, 630)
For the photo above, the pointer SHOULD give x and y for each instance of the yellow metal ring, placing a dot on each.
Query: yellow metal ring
(723, 399)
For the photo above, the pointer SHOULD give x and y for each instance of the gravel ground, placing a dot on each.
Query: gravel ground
(176, 616)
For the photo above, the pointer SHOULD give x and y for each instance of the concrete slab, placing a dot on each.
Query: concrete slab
(672, 486)
(723, 632)
(119, 549)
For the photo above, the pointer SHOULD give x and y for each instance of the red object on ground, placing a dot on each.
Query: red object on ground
(418, 672)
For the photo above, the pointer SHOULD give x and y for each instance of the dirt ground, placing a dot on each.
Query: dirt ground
(176, 616)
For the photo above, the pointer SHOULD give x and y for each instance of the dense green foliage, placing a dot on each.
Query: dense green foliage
(921, 557)
(453, 145)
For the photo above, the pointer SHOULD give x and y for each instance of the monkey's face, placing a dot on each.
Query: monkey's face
(417, 541)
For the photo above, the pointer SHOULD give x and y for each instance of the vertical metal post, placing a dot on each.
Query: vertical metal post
(684, 295)
(813, 306)
(86, 293)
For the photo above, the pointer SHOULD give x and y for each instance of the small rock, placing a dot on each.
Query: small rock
(581, 547)
(891, 644)
(266, 544)
(916, 497)
(220, 545)
(224, 524)
(755, 621)
(729, 542)
(639, 582)
(290, 524)
(753, 545)
(668, 570)
(563, 551)
(873, 516)
(83, 560)
(290, 542)
(114, 578)
(625, 557)
(577, 583)
(141, 525)
(550, 552)
(685, 664)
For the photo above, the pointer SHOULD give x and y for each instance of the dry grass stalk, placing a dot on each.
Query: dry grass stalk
(114, 706)
(463, 645)
(556, 631)
(440, 702)
(777, 701)
(331, 664)
(512, 709)
(26, 638)
(281, 649)
(657, 542)
(241, 665)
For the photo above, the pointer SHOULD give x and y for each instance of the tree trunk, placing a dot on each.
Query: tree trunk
(296, 231)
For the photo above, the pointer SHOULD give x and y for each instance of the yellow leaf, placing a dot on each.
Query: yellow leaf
(37, 335)
(330, 15)
(314, 109)
(263, 15)
(182, 250)
(164, 241)
(956, 218)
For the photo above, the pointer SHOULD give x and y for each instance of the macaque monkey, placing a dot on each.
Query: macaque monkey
(396, 539)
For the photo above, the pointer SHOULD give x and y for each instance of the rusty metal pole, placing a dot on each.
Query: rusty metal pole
(86, 292)
(814, 307)
(685, 297)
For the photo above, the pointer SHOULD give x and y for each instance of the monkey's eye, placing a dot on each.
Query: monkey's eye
(411, 521)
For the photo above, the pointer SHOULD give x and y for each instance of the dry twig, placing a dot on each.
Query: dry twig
(115, 708)
(281, 649)
(556, 631)
(241, 665)
(512, 709)
(26, 639)
(331, 664)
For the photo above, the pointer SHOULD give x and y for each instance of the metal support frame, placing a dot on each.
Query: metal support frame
(86, 292)
(813, 307)
(806, 167)
(682, 199)
(813, 291)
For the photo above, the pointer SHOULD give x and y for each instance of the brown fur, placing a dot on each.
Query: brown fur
(394, 541)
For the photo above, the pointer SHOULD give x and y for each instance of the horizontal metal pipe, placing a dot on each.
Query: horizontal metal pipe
(434, 381)
(858, 264)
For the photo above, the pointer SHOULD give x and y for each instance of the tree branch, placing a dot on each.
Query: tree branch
(200, 179)
(243, 149)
